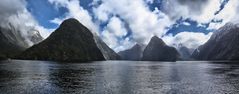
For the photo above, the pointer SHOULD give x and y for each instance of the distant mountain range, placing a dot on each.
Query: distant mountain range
(133, 54)
(185, 53)
(72, 41)
(156, 50)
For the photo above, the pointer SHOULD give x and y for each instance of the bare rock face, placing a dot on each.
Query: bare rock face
(223, 45)
(133, 54)
(108, 53)
(157, 50)
(12, 42)
(71, 42)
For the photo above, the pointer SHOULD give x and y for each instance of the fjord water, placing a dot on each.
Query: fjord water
(118, 77)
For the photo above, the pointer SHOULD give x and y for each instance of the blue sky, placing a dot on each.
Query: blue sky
(123, 23)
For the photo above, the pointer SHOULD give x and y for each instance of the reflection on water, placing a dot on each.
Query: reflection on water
(118, 77)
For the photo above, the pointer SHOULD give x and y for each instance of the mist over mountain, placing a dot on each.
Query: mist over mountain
(12, 42)
(72, 41)
(223, 45)
(185, 52)
(108, 53)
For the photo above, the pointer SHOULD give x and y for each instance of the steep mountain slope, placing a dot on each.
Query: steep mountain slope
(12, 41)
(108, 53)
(134, 53)
(223, 45)
(185, 53)
(157, 50)
(70, 42)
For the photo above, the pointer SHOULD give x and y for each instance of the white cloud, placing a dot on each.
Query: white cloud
(124, 44)
(189, 39)
(102, 12)
(75, 11)
(14, 13)
(186, 23)
(208, 11)
(228, 14)
(56, 21)
(143, 22)
(114, 31)
(201, 11)
(116, 26)
(109, 38)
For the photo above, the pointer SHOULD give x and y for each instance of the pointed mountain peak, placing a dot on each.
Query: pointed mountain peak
(70, 42)
(155, 37)
(158, 40)
(70, 20)
(136, 46)
(70, 27)
(72, 23)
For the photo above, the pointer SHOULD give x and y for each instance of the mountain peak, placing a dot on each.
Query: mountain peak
(70, 20)
(72, 24)
(157, 40)
(70, 42)
(136, 46)
(157, 50)
(134, 53)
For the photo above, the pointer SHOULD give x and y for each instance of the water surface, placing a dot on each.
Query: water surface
(118, 77)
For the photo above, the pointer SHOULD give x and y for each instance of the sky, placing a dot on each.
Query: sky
(123, 23)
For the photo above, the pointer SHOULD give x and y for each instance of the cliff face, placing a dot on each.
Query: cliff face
(70, 42)
(223, 45)
(157, 50)
(107, 52)
(12, 42)
(134, 53)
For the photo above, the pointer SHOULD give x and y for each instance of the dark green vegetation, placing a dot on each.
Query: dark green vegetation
(157, 50)
(70, 42)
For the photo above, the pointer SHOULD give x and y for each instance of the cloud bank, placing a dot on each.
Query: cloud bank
(15, 16)
(127, 22)
(122, 23)
(187, 39)
(203, 11)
